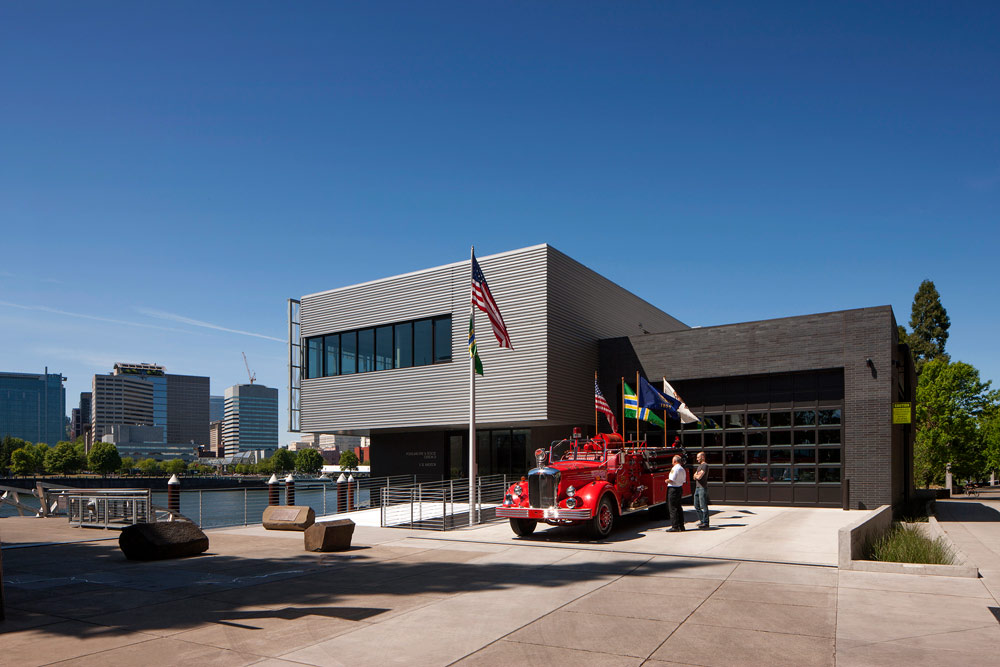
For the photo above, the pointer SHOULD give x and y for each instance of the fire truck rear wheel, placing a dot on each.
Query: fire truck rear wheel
(604, 519)
(523, 527)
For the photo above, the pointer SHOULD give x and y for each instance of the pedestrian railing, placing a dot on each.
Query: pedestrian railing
(222, 508)
(442, 505)
(107, 508)
(208, 508)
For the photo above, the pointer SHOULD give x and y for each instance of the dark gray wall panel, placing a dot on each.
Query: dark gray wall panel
(844, 339)
(585, 307)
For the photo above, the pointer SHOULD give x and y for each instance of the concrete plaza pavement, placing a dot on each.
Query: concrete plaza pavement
(759, 589)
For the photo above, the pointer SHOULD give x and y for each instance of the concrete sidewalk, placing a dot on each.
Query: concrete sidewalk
(481, 596)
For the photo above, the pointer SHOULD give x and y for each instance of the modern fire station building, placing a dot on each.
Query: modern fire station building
(794, 409)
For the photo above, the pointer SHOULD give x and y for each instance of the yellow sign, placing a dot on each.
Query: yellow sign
(901, 413)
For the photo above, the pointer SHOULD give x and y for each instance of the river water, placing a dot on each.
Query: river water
(215, 508)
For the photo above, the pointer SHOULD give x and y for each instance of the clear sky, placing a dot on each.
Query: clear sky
(170, 173)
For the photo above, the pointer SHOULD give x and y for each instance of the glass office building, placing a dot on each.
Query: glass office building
(251, 419)
(33, 406)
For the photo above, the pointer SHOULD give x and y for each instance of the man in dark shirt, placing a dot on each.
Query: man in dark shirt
(701, 491)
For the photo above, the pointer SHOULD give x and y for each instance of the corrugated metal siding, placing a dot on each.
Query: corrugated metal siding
(514, 387)
(585, 307)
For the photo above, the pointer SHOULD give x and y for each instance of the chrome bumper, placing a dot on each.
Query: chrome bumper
(550, 513)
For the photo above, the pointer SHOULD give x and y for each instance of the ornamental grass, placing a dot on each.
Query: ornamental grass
(908, 544)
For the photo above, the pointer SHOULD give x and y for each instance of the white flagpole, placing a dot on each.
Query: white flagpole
(472, 405)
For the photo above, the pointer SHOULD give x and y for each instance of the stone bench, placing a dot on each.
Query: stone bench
(330, 535)
(162, 540)
(288, 517)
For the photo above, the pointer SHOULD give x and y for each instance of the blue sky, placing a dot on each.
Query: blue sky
(170, 173)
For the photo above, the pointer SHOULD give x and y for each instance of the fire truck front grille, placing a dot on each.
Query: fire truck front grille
(542, 487)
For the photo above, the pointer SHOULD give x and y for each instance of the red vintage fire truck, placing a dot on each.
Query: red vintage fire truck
(590, 481)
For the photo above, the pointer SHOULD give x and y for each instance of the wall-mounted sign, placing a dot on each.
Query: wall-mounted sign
(902, 413)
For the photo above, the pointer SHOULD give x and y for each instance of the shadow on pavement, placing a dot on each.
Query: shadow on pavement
(965, 511)
(94, 583)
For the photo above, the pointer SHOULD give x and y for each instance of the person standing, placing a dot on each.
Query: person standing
(675, 485)
(701, 491)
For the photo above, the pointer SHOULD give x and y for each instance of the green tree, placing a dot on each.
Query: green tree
(348, 461)
(951, 400)
(308, 461)
(31, 459)
(243, 469)
(265, 467)
(7, 447)
(175, 467)
(929, 325)
(104, 458)
(148, 467)
(22, 460)
(989, 431)
(282, 461)
(41, 452)
(128, 465)
(64, 459)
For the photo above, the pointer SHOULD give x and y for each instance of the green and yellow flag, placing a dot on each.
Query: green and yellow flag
(473, 352)
(632, 404)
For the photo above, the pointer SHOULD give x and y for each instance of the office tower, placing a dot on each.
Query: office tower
(251, 419)
(216, 408)
(187, 409)
(33, 406)
(145, 395)
(80, 421)
(215, 445)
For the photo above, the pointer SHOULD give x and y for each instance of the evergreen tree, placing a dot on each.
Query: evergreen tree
(929, 325)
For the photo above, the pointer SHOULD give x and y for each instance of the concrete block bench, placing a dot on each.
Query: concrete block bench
(330, 535)
(288, 517)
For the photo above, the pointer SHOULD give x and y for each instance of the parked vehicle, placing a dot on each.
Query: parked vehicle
(592, 482)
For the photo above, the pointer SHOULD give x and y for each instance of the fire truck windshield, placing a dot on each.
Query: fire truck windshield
(576, 450)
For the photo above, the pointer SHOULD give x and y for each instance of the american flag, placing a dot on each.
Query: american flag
(482, 299)
(602, 406)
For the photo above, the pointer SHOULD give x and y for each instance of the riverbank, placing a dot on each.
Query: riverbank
(155, 483)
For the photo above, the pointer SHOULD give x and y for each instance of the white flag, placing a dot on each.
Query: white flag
(683, 411)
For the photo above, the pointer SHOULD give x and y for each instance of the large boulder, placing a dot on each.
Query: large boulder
(330, 535)
(288, 517)
(162, 540)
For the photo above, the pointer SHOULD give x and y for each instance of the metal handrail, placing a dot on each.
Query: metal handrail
(442, 505)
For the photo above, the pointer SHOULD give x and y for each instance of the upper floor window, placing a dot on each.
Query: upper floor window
(401, 345)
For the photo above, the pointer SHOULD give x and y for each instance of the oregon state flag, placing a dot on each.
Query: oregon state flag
(473, 351)
(632, 405)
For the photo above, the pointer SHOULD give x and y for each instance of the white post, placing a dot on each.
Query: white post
(472, 407)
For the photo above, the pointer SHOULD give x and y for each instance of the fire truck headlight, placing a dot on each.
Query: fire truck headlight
(571, 491)
(572, 503)
(518, 491)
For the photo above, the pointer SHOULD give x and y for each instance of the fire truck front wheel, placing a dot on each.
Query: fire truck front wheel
(604, 519)
(523, 527)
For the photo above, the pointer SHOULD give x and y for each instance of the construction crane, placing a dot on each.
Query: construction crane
(250, 374)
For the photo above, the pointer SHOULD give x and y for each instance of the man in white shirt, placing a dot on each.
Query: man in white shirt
(675, 485)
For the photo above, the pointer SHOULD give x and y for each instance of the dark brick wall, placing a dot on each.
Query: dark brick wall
(875, 452)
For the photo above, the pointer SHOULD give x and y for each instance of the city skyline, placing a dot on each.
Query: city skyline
(190, 172)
